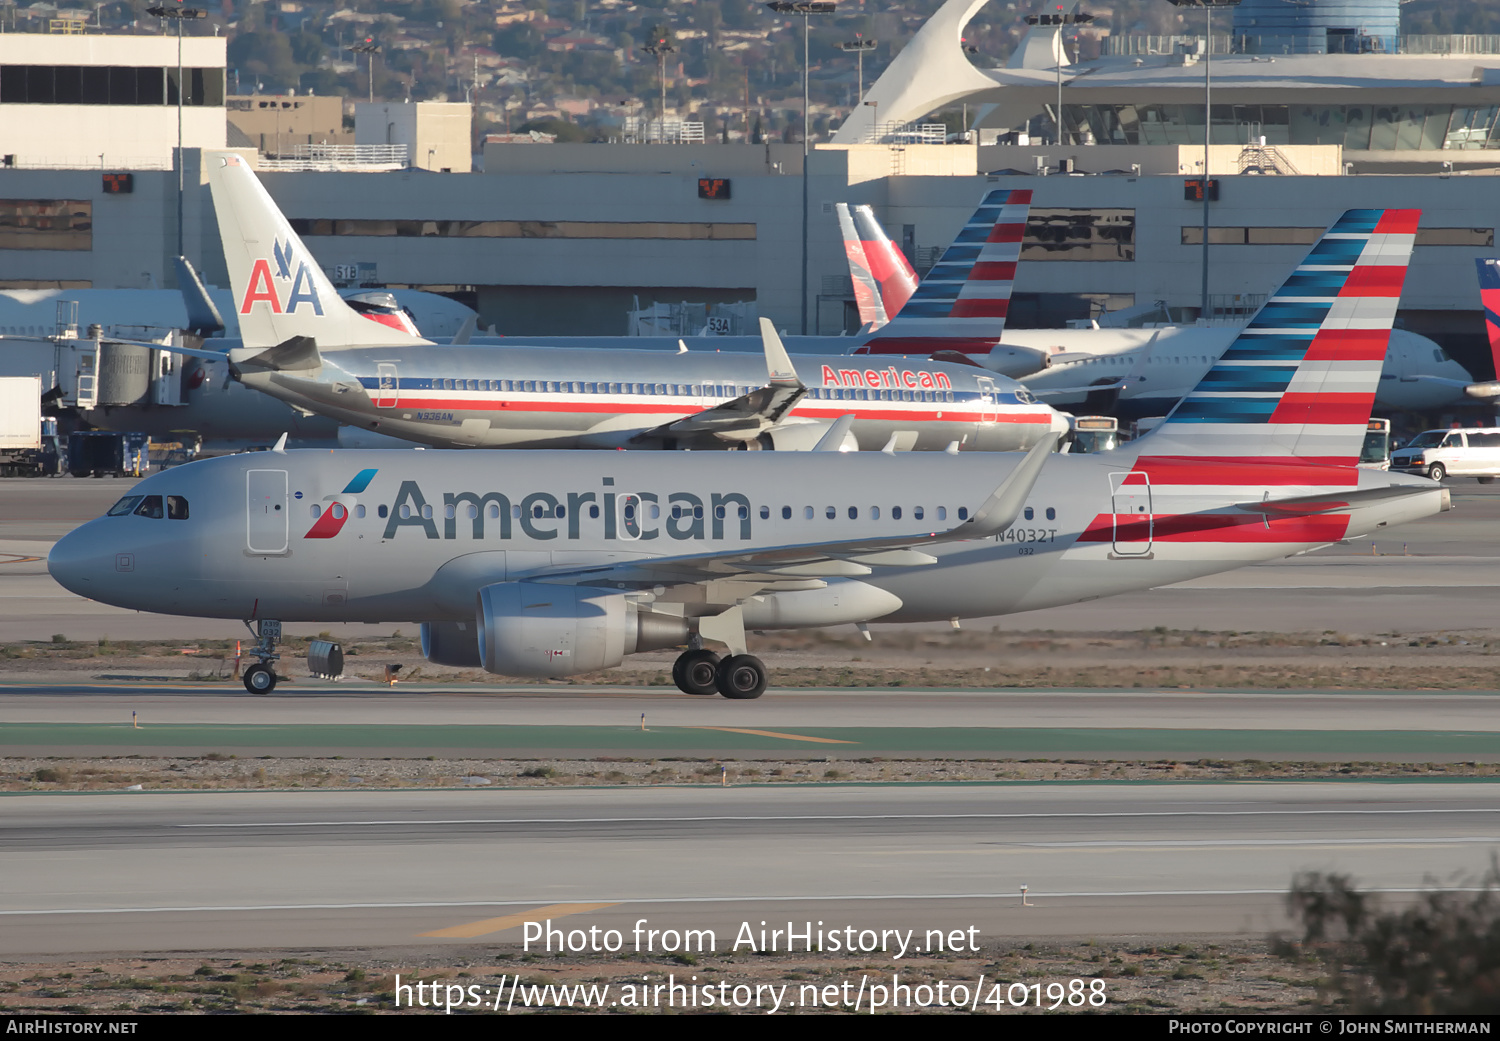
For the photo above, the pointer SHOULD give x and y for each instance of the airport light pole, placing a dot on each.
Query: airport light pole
(661, 48)
(369, 47)
(1060, 20)
(859, 45)
(177, 14)
(806, 8)
(1208, 117)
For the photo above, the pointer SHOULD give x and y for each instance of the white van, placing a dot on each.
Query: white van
(1472, 452)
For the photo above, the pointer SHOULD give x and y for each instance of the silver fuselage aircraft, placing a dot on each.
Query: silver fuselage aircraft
(558, 563)
(303, 345)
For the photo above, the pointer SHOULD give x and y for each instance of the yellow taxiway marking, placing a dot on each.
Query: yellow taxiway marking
(494, 925)
(773, 733)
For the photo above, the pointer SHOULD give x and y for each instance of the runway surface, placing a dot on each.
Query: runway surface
(321, 869)
(328, 719)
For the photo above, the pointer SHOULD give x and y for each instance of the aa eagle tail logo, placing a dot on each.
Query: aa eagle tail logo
(263, 284)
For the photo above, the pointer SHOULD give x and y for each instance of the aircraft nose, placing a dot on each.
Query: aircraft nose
(77, 561)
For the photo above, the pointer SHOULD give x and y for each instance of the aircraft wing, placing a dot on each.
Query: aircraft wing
(755, 569)
(749, 415)
(1116, 383)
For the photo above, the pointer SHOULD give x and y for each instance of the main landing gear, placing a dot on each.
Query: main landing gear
(739, 677)
(259, 678)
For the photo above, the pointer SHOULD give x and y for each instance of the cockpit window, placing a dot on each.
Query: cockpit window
(177, 507)
(150, 507)
(125, 506)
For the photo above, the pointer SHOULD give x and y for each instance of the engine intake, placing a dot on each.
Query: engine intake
(451, 643)
(535, 629)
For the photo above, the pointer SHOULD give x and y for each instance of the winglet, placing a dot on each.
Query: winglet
(1004, 505)
(778, 364)
(203, 317)
(280, 445)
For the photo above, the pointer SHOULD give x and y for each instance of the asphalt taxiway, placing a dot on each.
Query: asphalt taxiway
(142, 871)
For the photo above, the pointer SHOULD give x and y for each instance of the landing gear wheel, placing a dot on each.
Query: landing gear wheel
(696, 672)
(1437, 471)
(259, 679)
(741, 677)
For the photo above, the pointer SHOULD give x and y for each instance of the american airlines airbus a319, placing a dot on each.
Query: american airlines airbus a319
(556, 563)
(305, 347)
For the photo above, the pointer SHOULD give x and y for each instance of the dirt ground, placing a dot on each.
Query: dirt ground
(1229, 975)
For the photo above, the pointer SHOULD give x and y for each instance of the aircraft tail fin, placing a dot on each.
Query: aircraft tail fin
(961, 304)
(203, 317)
(872, 312)
(280, 292)
(1489, 298)
(888, 265)
(1299, 382)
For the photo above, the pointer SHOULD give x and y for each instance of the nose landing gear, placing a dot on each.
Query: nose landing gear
(260, 678)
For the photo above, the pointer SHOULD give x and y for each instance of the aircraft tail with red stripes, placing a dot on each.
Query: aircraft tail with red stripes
(1297, 385)
(889, 267)
(1489, 298)
(961, 304)
(867, 290)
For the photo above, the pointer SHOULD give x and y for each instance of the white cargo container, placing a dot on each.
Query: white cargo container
(20, 413)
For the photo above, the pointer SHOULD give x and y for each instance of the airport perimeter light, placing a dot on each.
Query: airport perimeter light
(369, 46)
(1060, 20)
(1208, 114)
(806, 8)
(859, 45)
(661, 48)
(178, 14)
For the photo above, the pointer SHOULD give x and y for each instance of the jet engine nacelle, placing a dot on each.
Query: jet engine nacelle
(451, 643)
(534, 629)
(1017, 362)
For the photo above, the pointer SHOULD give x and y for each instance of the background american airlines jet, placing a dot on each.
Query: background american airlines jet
(305, 347)
(1134, 372)
(557, 563)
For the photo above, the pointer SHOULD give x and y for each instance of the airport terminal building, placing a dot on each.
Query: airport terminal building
(558, 238)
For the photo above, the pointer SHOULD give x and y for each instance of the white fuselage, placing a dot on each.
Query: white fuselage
(381, 535)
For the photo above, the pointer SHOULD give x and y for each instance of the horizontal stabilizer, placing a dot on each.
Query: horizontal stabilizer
(298, 354)
(1337, 502)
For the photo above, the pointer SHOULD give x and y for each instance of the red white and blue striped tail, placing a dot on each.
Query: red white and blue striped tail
(1299, 381)
(888, 265)
(1489, 297)
(872, 311)
(961, 303)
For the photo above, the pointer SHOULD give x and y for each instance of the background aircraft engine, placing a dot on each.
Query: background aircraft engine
(534, 629)
(451, 643)
(1017, 362)
(797, 436)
